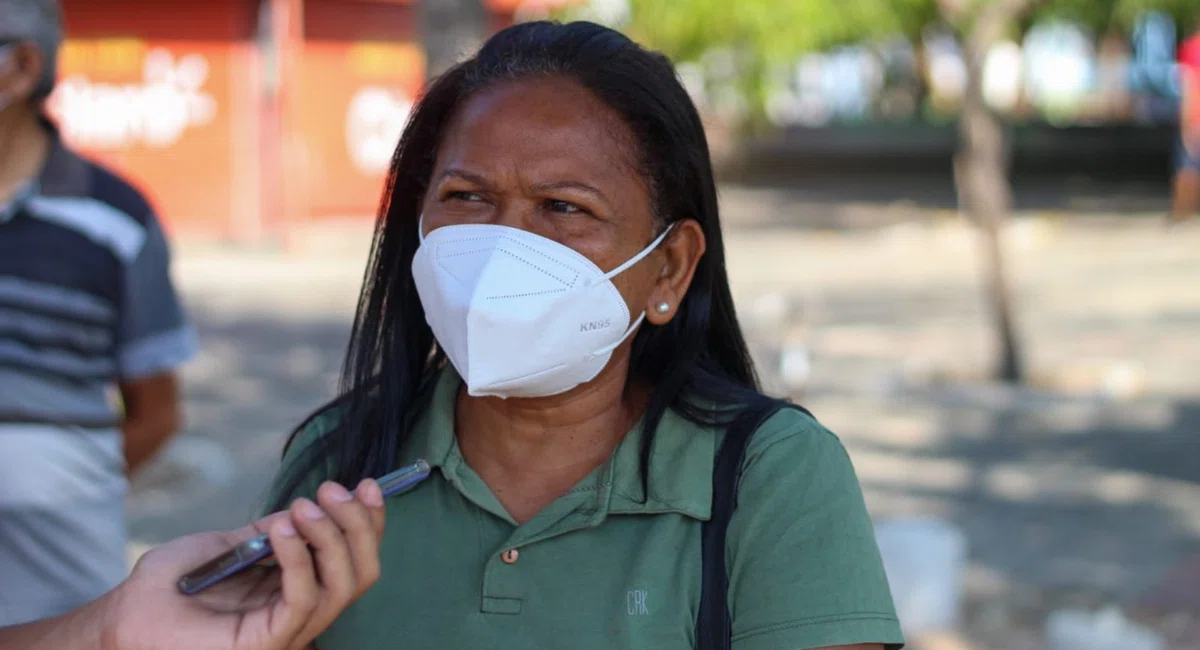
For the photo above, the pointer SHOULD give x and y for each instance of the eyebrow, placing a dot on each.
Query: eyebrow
(539, 187)
(574, 185)
(465, 175)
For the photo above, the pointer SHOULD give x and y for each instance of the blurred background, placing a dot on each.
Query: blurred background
(947, 235)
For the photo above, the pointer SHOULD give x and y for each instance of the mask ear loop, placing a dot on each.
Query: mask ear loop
(609, 348)
(613, 273)
(421, 228)
(641, 255)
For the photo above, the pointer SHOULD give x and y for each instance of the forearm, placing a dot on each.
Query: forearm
(82, 629)
(152, 414)
(143, 439)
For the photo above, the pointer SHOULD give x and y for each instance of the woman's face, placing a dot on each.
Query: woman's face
(549, 157)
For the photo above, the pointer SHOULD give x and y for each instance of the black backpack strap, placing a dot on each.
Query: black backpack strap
(713, 626)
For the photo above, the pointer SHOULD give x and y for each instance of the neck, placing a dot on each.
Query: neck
(24, 145)
(537, 449)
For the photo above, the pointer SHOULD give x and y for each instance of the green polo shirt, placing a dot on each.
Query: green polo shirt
(602, 567)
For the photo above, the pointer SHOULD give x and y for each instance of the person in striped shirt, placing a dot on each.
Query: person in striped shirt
(86, 305)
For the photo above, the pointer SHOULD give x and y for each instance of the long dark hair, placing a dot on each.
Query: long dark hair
(697, 364)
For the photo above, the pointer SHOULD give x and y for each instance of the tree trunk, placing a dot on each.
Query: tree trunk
(981, 176)
(921, 81)
(451, 30)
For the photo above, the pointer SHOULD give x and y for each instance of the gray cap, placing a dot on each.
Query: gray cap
(39, 21)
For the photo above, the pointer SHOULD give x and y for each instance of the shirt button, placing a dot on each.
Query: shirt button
(510, 556)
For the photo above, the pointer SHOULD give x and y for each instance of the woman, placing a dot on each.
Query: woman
(547, 320)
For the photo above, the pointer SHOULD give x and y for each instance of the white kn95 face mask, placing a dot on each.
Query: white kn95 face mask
(520, 315)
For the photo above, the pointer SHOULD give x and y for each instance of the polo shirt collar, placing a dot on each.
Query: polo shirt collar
(63, 174)
(23, 194)
(680, 470)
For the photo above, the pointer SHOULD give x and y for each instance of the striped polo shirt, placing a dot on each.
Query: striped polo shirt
(86, 301)
(85, 295)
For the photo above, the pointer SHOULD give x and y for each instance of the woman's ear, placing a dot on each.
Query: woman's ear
(679, 254)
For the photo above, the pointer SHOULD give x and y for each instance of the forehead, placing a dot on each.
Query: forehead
(543, 125)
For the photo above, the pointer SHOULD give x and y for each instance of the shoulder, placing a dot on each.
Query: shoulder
(804, 567)
(83, 196)
(312, 430)
(797, 470)
(116, 192)
(306, 463)
(789, 438)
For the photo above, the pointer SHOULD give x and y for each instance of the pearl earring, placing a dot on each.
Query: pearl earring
(664, 307)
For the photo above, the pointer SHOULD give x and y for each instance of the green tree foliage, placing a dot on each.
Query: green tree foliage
(1104, 15)
(769, 34)
(777, 30)
(763, 35)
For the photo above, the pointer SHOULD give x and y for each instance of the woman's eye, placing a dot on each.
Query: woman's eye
(463, 196)
(563, 207)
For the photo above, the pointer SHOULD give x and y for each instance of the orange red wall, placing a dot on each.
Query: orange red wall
(351, 102)
(239, 118)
